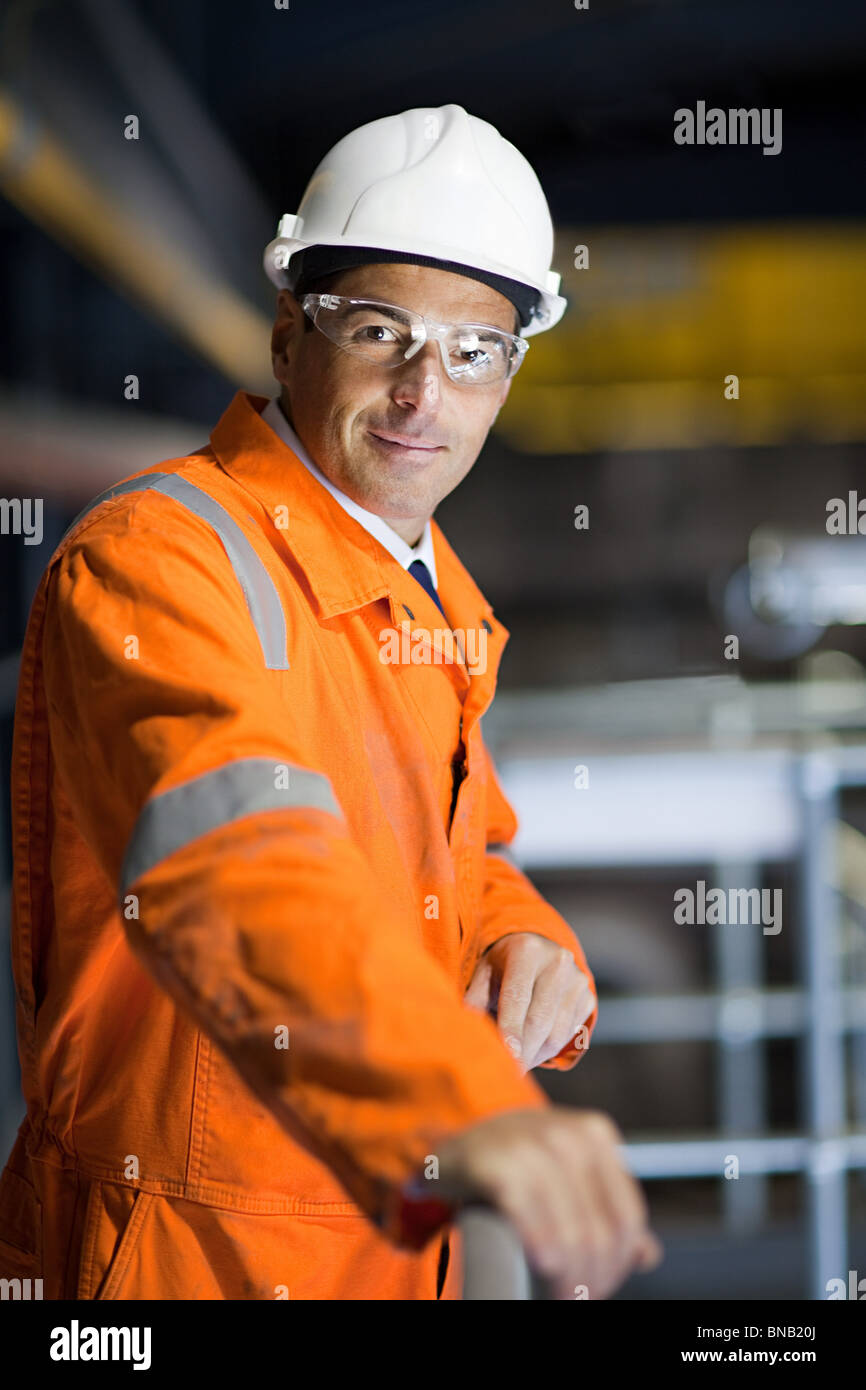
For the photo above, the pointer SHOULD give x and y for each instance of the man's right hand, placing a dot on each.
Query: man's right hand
(558, 1176)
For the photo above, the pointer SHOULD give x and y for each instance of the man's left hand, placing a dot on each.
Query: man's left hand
(538, 994)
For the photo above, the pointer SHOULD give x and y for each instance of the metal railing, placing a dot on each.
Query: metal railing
(494, 1265)
(800, 792)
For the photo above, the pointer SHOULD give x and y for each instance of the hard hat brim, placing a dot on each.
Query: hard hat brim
(551, 306)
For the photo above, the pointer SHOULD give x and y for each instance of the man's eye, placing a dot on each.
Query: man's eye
(376, 333)
(477, 347)
(474, 350)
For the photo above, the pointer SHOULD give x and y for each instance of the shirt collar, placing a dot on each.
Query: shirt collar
(403, 553)
(343, 566)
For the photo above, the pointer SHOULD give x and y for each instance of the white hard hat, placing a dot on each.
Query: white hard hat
(433, 185)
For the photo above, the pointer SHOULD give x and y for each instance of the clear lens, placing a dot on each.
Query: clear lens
(381, 334)
(384, 333)
(478, 354)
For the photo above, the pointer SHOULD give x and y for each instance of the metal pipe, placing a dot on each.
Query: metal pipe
(494, 1265)
(823, 1049)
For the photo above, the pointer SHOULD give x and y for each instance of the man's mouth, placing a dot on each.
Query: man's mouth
(405, 443)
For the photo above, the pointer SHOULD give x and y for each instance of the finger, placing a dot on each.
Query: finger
(583, 1247)
(571, 1030)
(543, 1226)
(515, 995)
(575, 1007)
(625, 1202)
(477, 995)
(539, 1209)
(592, 1244)
(562, 1033)
(611, 1212)
(650, 1252)
(543, 1014)
(586, 1002)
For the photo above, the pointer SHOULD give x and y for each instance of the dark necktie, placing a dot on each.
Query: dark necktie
(425, 579)
(458, 762)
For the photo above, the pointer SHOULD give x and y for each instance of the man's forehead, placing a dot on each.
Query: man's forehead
(428, 290)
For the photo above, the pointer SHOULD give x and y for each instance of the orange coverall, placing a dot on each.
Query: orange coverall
(243, 916)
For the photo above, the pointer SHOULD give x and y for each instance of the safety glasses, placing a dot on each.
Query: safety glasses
(473, 354)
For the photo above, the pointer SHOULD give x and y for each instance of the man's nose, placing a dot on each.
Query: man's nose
(419, 379)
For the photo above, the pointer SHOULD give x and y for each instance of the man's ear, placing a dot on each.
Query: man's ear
(288, 325)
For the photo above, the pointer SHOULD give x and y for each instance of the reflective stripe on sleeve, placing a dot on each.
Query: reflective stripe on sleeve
(258, 588)
(176, 817)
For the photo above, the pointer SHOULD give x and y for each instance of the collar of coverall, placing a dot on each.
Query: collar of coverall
(250, 451)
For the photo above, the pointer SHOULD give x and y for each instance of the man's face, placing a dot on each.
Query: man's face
(394, 439)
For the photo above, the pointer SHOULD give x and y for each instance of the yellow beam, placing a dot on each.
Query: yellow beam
(661, 318)
(42, 178)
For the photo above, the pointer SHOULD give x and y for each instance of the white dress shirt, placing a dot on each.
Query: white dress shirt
(376, 525)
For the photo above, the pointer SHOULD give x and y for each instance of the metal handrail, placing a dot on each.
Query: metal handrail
(495, 1267)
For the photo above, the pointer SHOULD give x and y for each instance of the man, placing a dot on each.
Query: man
(264, 907)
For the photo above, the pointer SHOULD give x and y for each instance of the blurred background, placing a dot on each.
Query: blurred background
(644, 750)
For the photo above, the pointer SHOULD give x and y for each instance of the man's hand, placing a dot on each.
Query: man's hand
(559, 1177)
(540, 997)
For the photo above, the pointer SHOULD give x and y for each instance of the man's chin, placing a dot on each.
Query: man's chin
(392, 498)
(400, 508)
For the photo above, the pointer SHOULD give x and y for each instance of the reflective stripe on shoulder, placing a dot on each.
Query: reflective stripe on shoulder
(176, 817)
(504, 851)
(258, 588)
